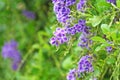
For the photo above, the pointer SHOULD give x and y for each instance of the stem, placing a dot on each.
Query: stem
(22, 62)
(116, 68)
(115, 7)
(105, 70)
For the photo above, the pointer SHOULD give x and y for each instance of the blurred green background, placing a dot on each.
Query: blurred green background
(41, 62)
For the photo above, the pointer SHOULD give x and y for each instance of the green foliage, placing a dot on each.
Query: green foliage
(118, 3)
(96, 20)
(99, 39)
(102, 6)
(105, 29)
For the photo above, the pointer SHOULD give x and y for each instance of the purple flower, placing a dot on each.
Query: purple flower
(15, 65)
(54, 1)
(9, 50)
(84, 37)
(71, 75)
(85, 64)
(58, 1)
(80, 5)
(57, 7)
(112, 1)
(66, 2)
(62, 10)
(59, 37)
(94, 79)
(109, 49)
(63, 14)
(29, 14)
(77, 28)
(70, 2)
(84, 41)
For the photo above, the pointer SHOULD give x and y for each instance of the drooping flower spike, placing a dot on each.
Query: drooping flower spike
(9, 50)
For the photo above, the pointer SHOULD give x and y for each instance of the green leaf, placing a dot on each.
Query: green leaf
(96, 71)
(114, 34)
(118, 3)
(98, 48)
(99, 39)
(102, 46)
(96, 20)
(36, 46)
(105, 28)
(102, 6)
(67, 63)
(118, 35)
(110, 60)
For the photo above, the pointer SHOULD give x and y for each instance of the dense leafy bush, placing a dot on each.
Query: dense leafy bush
(88, 30)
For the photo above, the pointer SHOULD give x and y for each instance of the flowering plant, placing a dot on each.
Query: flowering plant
(88, 30)
(60, 39)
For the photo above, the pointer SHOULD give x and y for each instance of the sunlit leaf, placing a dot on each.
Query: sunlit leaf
(105, 28)
(99, 39)
(96, 20)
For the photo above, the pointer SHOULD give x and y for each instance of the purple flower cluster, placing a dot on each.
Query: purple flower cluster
(109, 49)
(70, 2)
(84, 41)
(84, 38)
(71, 75)
(61, 9)
(84, 66)
(59, 37)
(112, 1)
(9, 50)
(28, 14)
(80, 5)
(77, 28)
